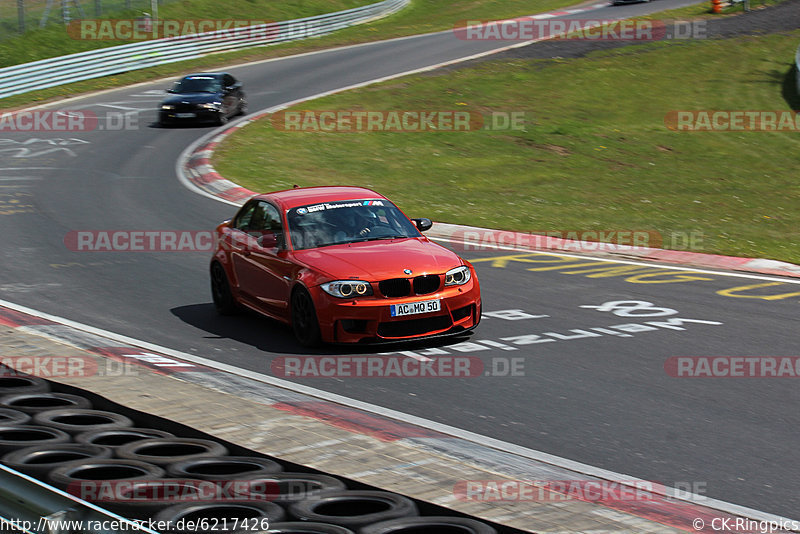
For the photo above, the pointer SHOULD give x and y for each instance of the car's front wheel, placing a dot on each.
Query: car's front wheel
(304, 319)
(221, 291)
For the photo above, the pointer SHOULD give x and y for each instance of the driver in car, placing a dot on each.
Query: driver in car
(354, 223)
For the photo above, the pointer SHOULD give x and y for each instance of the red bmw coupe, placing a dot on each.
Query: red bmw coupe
(341, 265)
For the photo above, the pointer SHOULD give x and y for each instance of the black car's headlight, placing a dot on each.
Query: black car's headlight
(167, 106)
(211, 105)
(457, 277)
(346, 289)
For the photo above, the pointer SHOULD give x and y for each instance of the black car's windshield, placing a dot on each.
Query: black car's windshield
(197, 84)
(350, 221)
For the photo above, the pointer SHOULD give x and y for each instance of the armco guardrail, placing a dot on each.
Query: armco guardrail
(61, 70)
(27, 505)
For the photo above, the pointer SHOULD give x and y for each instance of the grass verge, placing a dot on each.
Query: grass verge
(421, 16)
(596, 155)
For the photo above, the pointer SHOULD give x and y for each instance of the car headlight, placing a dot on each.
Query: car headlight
(167, 106)
(457, 277)
(346, 289)
(211, 105)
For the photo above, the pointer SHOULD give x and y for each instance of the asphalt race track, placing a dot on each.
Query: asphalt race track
(589, 339)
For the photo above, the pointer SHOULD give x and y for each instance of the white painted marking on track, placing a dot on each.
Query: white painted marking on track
(408, 354)
(125, 108)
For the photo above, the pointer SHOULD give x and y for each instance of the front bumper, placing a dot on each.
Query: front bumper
(369, 320)
(200, 115)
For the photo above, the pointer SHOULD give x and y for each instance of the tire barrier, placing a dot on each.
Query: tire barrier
(429, 525)
(77, 420)
(164, 451)
(221, 514)
(286, 488)
(353, 508)
(294, 527)
(224, 468)
(146, 472)
(39, 460)
(13, 417)
(33, 403)
(20, 436)
(117, 437)
(80, 478)
(22, 384)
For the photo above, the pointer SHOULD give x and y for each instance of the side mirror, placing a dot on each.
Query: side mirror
(170, 90)
(268, 240)
(423, 224)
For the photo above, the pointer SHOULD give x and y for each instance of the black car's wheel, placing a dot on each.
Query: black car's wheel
(222, 118)
(221, 291)
(243, 106)
(304, 319)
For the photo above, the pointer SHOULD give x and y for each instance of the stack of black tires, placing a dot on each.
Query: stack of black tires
(136, 466)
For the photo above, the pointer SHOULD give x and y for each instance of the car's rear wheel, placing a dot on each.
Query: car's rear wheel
(304, 319)
(221, 291)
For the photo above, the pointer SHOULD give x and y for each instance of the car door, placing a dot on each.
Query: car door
(260, 260)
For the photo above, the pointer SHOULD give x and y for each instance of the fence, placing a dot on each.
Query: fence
(17, 16)
(62, 70)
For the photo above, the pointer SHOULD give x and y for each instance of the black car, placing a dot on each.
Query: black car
(204, 97)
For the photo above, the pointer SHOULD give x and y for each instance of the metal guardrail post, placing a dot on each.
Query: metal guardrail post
(46, 73)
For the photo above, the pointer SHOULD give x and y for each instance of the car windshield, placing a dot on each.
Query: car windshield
(350, 221)
(197, 84)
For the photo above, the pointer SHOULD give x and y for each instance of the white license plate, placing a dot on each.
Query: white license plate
(413, 308)
(185, 115)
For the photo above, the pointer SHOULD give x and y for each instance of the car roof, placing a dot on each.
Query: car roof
(209, 74)
(303, 196)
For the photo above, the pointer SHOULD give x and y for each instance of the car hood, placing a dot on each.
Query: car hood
(380, 260)
(192, 98)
